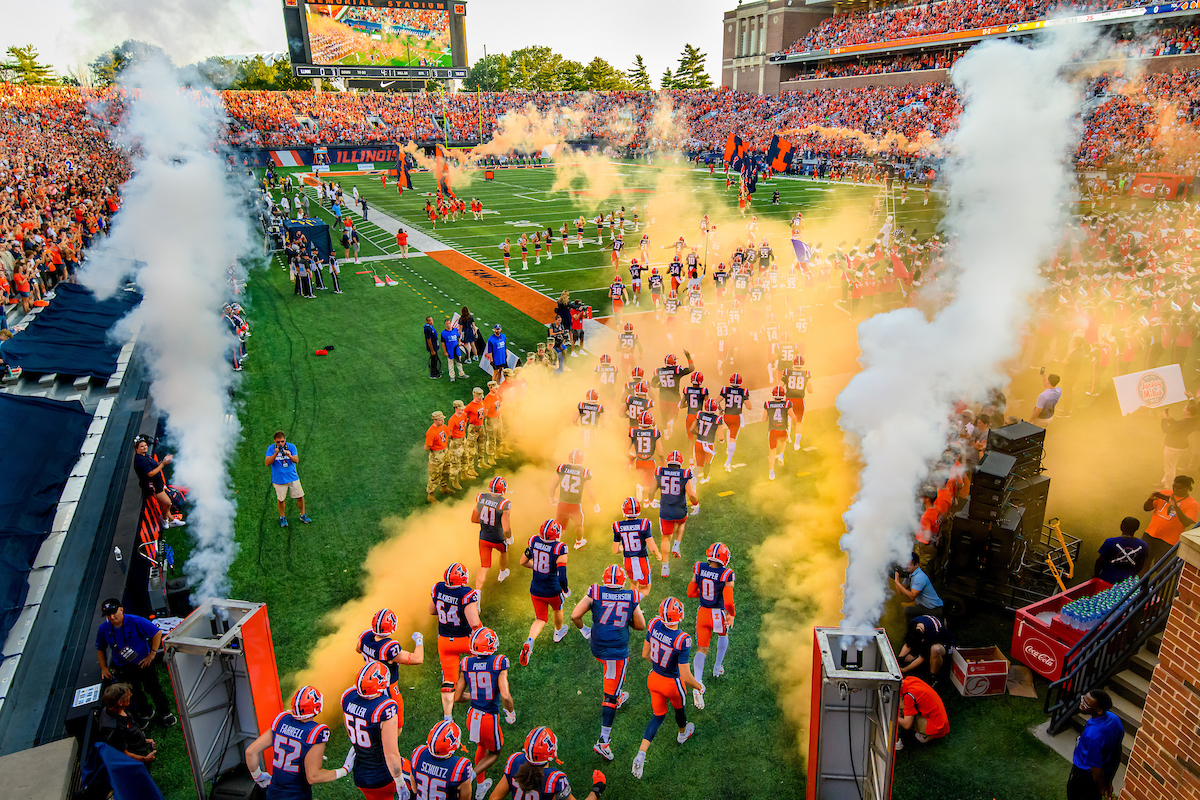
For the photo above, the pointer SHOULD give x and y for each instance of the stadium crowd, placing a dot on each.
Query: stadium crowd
(906, 62)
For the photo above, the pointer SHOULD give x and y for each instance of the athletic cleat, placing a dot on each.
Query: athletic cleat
(728, 467)
(639, 761)
(604, 749)
(482, 791)
(586, 633)
(772, 475)
(797, 445)
(654, 503)
(687, 733)
(698, 699)
(580, 543)
(718, 672)
(561, 633)
(624, 698)
(666, 571)
(283, 522)
(675, 549)
(501, 576)
(526, 650)
(705, 479)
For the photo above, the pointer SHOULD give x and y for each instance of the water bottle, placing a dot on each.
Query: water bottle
(117, 554)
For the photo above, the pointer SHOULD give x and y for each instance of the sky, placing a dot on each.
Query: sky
(190, 30)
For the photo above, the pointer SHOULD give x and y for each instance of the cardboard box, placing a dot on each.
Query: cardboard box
(979, 671)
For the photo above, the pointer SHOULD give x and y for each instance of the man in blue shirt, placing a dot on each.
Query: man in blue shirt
(134, 642)
(431, 347)
(921, 598)
(1122, 556)
(497, 350)
(450, 345)
(282, 458)
(1098, 751)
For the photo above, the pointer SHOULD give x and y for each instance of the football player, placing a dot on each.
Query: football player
(546, 557)
(618, 244)
(712, 582)
(795, 379)
(703, 428)
(570, 484)
(634, 537)
(484, 682)
(614, 610)
(637, 402)
(373, 723)
(645, 449)
(606, 372)
(528, 776)
(493, 512)
(629, 342)
(656, 287)
(619, 297)
(456, 606)
(667, 648)
(438, 773)
(670, 310)
(376, 644)
(677, 486)
(635, 281)
(666, 380)
(775, 414)
(693, 401)
(301, 739)
(590, 411)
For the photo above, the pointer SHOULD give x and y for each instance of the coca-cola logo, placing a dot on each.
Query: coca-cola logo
(1038, 651)
(1152, 389)
(1147, 189)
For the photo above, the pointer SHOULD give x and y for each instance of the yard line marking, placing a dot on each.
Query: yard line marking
(724, 494)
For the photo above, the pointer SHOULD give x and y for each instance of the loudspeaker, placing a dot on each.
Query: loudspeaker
(1031, 494)
(1015, 438)
(994, 472)
(982, 548)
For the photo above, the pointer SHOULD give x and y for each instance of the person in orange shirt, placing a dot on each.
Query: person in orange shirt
(458, 443)
(475, 439)
(923, 716)
(437, 440)
(1173, 514)
(491, 422)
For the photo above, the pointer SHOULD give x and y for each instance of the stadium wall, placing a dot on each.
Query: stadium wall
(751, 31)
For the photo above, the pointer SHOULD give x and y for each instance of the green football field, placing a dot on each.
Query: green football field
(358, 417)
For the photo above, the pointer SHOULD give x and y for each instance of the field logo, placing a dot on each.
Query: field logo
(1151, 389)
(523, 223)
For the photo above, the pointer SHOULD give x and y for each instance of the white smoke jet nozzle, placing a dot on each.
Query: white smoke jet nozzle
(1006, 174)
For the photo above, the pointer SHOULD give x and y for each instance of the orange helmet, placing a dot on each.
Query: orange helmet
(674, 457)
(697, 378)
(711, 406)
(647, 419)
(444, 740)
(641, 388)
(672, 295)
(798, 361)
(306, 703)
(631, 507)
(541, 745)
(372, 680)
(484, 641)
(735, 379)
(614, 576)
(637, 373)
(606, 359)
(719, 553)
(670, 611)
(654, 270)
(550, 530)
(575, 456)
(456, 575)
(593, 395)
(670, 360)
(779, 391)
(629, 327)
(498, 485)
(384, 622)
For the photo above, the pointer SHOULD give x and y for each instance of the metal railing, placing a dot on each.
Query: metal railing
(1103, 651)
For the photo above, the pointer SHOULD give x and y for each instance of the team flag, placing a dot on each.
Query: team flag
(779, 154)
(735, 150)
(803, 251)
(443, 173)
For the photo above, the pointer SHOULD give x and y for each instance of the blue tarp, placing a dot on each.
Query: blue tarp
(71, 335)
(44, 438)
(316, 231)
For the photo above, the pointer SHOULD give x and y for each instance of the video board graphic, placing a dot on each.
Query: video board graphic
(380, 33)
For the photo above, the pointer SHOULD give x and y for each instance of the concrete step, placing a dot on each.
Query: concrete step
(1129, 712)
(1155, 642)
(1131, 686)
(1143, 663)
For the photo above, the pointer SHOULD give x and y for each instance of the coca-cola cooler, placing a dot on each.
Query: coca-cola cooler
(1040, 639)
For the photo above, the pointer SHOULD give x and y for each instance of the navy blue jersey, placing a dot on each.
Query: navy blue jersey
(719, 277)
(291, 740)
(711, 582)
(796, 381)
(707, 423)
(632, 535)
(635, 271)
(612, 614)
(544, 555)
(554, 782)
(482, 674)
(589, 413)
(735, 398)
(450, 603)
(656, 283)
(635, 406)
(364, 724)
(695, 397)
(645, 441)
(628, 340)
(382, 649)
(491, 508)
(439, 778)
(668, 648)
(672, 482)
(570, 482)
(777, 414)
(667, 380)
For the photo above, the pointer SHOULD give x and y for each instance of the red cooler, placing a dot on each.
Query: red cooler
(1040, 639)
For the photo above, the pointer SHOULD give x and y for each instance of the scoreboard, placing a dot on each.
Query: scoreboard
(380, 41)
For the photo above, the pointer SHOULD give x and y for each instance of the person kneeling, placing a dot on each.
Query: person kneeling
(923, 717)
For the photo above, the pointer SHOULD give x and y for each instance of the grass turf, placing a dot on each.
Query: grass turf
(357, 417)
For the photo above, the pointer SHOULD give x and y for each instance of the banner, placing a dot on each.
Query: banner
(442, 171)
(1150, 388)
(779, 154)
(803, 251)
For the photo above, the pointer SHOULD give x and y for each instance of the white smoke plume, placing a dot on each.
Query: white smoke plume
(180, 228)
(1007, 178)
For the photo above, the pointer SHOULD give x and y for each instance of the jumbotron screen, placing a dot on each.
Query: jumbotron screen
(380, 33)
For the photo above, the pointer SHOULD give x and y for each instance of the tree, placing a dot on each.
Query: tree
(668, 80)
(572, 76)
(638, 76)
(603, 77)
(503, 74)
(485, 74)
(535, 68)
(691, 73)
(23, 67)
(107, 67)
(216, 71)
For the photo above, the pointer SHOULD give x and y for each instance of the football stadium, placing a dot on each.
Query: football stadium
(816, 420)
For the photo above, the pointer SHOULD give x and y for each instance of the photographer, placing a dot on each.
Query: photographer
(282, 458)
(1173, 514)
(920, 596)
(134, 642)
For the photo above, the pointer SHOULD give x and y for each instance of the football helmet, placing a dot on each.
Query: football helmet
(698, 302)
(384, 622)
(541, 745)
(674, 457)
(779, 391)
(484, 641)
(735, 379)
(456, 574)
(629, 327)
(614, 576)
(654, 270)
(798, 361)
(575, 456)
(670, 611)
(711, 406)
(306, 703)
(697, 378)
(592, 395)
(606, 359)
(637, 373)
(670, 359)
(616, 278)
(719, 553)
(444, 740)
(498, 485)
(641, 388)
(372, 680)
(550, 530)
(631, 507)
(646, 420)
(672, 295)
